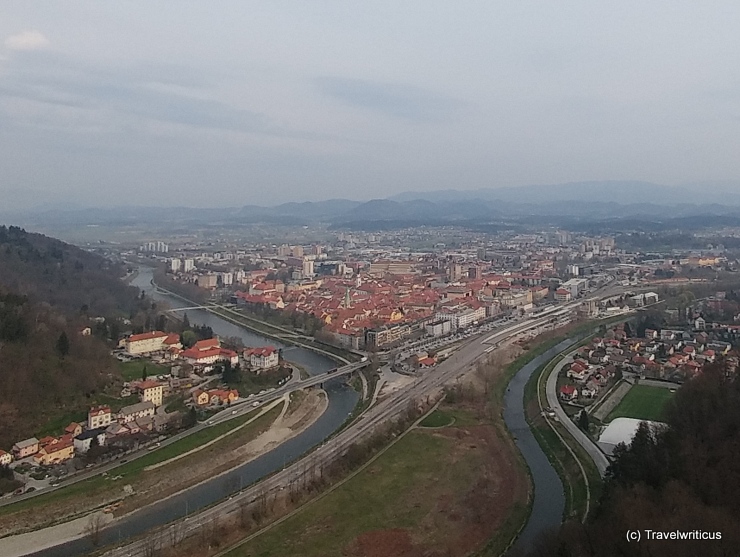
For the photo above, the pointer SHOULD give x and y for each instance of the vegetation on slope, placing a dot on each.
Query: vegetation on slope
(681, 478)
(49, 292)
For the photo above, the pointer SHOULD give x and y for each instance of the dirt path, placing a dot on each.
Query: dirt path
(288, 425)
(614, 399)
(264, 411)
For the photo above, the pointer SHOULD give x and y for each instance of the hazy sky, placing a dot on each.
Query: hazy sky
(219, 103)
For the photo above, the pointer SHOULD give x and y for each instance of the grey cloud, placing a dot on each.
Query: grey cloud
(57, 81)
(396, 100)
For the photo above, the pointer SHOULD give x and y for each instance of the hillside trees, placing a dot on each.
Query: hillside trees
(685, 476)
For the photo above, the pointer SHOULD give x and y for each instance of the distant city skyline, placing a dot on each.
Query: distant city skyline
(262, 103)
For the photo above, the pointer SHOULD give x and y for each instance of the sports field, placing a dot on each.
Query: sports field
(642, 403)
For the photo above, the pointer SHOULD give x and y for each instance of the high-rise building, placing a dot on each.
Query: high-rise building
(474, 272)
(175, 265)
(284, 250)
(188, 265)
(307, 268)
(296, 251)
(454, 272)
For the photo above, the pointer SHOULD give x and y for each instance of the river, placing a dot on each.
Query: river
(342, 400)
(549, 498)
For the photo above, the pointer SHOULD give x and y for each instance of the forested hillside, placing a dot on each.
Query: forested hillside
(684, 478)
(64, 276)
(49, 292)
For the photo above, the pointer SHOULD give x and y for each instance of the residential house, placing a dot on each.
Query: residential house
(568, 393)
(99, 416)
(73, 429)
(150, 391)
(218, 396)
(115, 429)
(27, 447)
(55, 452)
(136, 411)
(262, 358)
(201, 398)
(427, 362)
(83, 441)
(591, 389)
(578, 370)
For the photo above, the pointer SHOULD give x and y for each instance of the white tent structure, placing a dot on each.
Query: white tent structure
(621, 430)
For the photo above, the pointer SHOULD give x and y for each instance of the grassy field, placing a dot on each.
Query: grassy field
(425, 493)
(56, 425)
(642, 403)
(133, 370)
(438, 418)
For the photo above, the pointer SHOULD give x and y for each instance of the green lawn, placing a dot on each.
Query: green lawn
(642, 403)
(395, 492)
(133, 370)
(438, 418)
(424, 484)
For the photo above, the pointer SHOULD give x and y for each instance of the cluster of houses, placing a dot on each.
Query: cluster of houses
(214, 397)
(102, 425)
(666, 354)
(392, 300)
(202, 355)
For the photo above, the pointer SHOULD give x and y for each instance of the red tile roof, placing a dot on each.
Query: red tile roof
(147, 336)
(263, 351)
(173, 338)
(206, 344)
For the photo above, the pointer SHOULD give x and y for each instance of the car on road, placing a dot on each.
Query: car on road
(256, 403)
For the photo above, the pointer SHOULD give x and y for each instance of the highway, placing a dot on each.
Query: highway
(392, 407)
(425, 385)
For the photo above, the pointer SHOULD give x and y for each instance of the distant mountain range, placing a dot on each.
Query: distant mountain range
(588, 201)
(620, 192)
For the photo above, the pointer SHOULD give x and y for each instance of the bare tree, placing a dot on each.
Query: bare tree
(259, 513)
(151, 544)
(94, 525)
(245, 520)
(176, 532)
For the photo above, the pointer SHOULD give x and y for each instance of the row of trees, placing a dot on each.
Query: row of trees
(303, 321)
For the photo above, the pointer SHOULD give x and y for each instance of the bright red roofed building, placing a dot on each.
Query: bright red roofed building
(568, 392)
